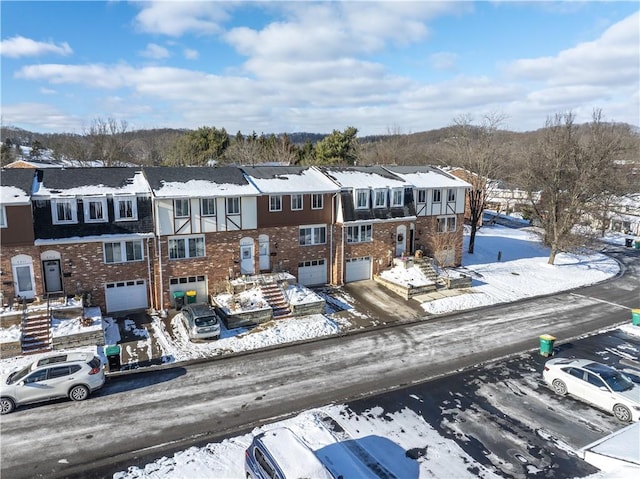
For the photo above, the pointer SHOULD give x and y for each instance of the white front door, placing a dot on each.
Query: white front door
(23, 279)
(52, 277)
(263, 245)
(401, 240)
(246, 256)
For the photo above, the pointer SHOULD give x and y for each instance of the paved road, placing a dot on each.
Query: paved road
(154, 413)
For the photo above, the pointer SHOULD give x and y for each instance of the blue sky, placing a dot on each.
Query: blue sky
(274, 67)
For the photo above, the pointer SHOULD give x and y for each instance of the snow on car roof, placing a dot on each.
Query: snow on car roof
(292, 455)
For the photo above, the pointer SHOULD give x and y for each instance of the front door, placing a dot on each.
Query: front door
(401, 234)
(246, 259)
(22, 266)
(52, 278)
(265, 263)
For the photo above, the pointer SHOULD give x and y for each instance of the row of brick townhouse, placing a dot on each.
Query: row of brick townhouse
(131, 237)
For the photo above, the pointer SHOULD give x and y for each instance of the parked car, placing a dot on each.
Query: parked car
(595, 383)
(201, 321)
(74, 375)
(280, 454)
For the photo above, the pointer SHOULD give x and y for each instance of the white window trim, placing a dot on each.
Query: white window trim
(433, 197)
(356, 198)
(202, 209)
(123, 251)
(383, 192)
(315, 196)
(74, 211)
(295, 207)
(3, 216)
(186, 246)
(278, 199)
(175, 214)
(228, 201)
(451, 192)
(86, 200)
(361, 237)
(399, 191)
(312, 228)
(134, 207)
(446, 220)
(423, 192)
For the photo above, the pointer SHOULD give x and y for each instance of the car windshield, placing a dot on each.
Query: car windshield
(205, 321)
(617, 381)
(18, 375)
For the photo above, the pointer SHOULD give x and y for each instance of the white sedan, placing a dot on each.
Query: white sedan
(595, 383)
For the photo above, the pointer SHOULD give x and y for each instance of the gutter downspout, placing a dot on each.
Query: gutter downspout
(331, 259)
(149, 271)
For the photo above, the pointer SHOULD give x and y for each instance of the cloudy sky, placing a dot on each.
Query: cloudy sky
(274, 67)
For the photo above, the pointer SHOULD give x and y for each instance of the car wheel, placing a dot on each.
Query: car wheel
(6, 405)
(622, 413)
(559, 387)
(79, 393)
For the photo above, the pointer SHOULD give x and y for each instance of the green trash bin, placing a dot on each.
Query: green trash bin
(546, 345)
(192, 296)
(178, 299)
(637, 244)
(635, 317)
(113, 357)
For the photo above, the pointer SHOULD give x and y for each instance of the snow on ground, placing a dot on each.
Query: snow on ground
(522, 272)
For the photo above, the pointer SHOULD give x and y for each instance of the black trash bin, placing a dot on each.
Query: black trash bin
(113, 357)
(178, 299)
(628, 242)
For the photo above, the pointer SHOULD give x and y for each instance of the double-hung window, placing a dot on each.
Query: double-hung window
(64, 211)
(181, 208)
(437, 196)
(233, 206)
(123, 251)
(3, 216)
(125, 208)
(208, 206)
(275, 203)
(362, 199)
(188, 247)
(312, 235)
(296, 202)
(95, 209)
(451, 195)
(446, 224)
(317, 202)
(359, 234)
(381, 198)
(422, 196)
(397, 197)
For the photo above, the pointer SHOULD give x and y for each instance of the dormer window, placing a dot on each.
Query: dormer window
(64, 211)
(3, 217)
(398, 197)
(451, 195)
(422, 196)
(437, 196)
(95, 210)
(181, 208)
(275, 203)
(296, 202)
(380, 198)
(125, 208)
(362, 199)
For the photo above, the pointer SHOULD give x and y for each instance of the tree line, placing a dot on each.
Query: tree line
(571, 172)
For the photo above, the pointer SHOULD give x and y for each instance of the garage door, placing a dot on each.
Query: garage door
(312, 272)
(358, 269)
(126, 295)
(190, 283)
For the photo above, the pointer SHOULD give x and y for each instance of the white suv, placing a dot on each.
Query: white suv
(74, 375)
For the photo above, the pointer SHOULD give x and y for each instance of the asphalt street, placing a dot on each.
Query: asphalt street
(147, 414)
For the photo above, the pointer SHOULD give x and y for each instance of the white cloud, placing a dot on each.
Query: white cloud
(19, 46)
(191, 54)
(443, 60)
(176, 18)
(39, 116)
(155, 51)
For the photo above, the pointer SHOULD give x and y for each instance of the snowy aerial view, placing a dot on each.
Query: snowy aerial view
(349, 442)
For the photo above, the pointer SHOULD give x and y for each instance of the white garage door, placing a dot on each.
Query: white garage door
(190, 283)
(312, 272)
(126, 295)
(357, 269)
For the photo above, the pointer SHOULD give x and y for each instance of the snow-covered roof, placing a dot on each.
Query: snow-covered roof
(91, 181)
(168, 182)
(364, 177)
(427, 177)
(289, 179)
(16, 186)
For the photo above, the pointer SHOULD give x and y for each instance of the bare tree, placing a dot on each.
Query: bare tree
(572, 167)
(108, 144)
(476, 150)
